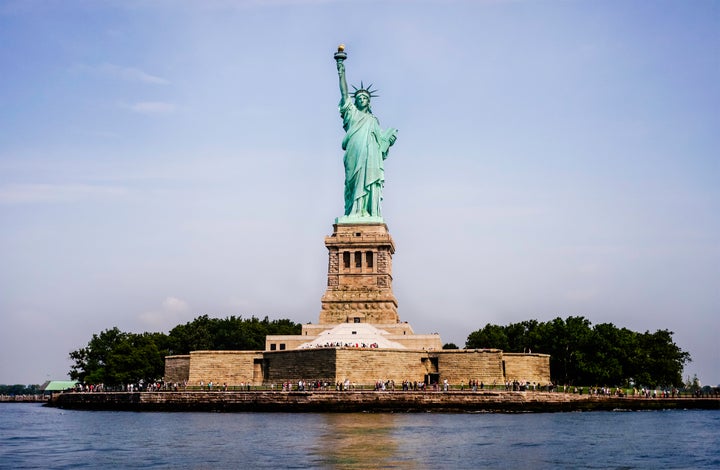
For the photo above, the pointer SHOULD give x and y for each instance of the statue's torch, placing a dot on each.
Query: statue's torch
(340, 55)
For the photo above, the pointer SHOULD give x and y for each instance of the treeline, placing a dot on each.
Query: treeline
(583, 354)
(18, 389)
(114, 357)
(580, 353)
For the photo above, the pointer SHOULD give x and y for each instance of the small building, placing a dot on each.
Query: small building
(57, 386)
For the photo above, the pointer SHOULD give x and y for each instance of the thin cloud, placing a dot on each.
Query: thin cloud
(131, 74)
(150, 107)
(172, 312)
(55, 193)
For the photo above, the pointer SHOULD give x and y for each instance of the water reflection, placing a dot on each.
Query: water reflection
(359, 440)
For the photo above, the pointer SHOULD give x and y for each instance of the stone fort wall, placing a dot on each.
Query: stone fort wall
(462, 365)
(371, 366)
(362, 366)
(177, 368)
(294, 365)
(527, 367)
(225, 367)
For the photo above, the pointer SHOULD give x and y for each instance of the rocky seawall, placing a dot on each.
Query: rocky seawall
(368, 401)
(23, 398)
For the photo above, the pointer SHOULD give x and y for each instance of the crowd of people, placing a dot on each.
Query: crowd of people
(337, 344)
(390, 385)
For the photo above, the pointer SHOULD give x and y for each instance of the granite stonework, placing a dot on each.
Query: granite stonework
(177, 368)
(359, 290)
(359, 336)
(360, 366)
(225, 367)
(359, 279)
(527, 367)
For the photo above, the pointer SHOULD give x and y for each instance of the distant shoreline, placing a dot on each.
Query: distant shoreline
(369, 401)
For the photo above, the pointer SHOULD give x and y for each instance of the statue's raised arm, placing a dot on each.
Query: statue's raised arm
(366, 147)
(340, 57)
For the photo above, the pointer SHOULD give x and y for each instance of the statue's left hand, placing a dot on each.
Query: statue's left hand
(393, 137)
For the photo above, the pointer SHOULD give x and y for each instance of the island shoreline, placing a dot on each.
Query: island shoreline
(369, 401)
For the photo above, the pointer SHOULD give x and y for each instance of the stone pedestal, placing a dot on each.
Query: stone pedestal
(359, 282)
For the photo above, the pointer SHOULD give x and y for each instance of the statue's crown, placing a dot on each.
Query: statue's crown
(366, 91)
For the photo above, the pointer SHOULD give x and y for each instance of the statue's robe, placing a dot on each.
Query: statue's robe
(366, 147)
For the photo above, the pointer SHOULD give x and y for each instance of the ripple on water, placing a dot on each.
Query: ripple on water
(32, 436)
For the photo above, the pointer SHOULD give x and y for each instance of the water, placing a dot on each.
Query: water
(32, 436)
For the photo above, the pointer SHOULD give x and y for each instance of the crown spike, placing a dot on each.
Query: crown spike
(367, 90)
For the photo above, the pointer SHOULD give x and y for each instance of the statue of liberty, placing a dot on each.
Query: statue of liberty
(366, 147)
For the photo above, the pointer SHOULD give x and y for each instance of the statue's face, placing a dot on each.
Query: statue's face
(362, 101)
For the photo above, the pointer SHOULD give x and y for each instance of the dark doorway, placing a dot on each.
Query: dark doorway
(432, 379)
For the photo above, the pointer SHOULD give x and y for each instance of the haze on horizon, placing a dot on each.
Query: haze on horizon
(160, 160)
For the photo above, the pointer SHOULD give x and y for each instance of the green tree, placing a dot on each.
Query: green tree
(114, 357)
(692, 385)
(192, 336)
(489, 337)
(592, 355)
(139, 357)
(91, 362)
(231, 333)
(664, 359)
(18, 389)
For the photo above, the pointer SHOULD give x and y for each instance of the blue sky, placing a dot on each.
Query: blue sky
(165, 159)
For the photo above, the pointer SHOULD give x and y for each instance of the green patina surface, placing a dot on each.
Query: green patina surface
(353, 219)
(366, 147)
